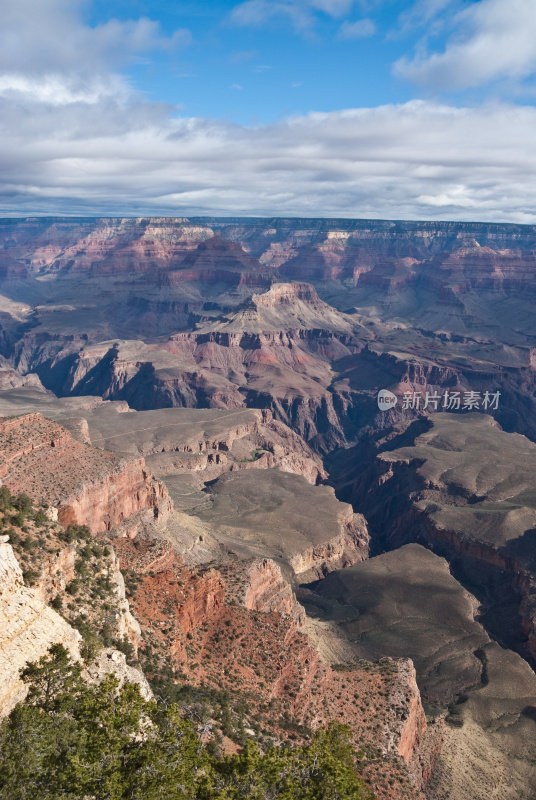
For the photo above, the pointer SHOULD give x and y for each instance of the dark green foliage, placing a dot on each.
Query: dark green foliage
(40, 518)
(54, 681)
(18, 519)
(321, 770)
(74, 533)
(72, 741)
(92, 644)
(126, 647)
(30, 576)
(29, 544)
(22, 503)
(56, 603)
(5, 498)
(73, 586)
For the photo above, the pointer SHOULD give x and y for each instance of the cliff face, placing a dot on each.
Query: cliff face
(27, 628)
(303, 247)
(220, 318)
(265, 590)
(462, 488)
(443, 297)
(129, 489)
(88, 486)
(411, 728)
(205, 443)
(239, 626)
(349, 546)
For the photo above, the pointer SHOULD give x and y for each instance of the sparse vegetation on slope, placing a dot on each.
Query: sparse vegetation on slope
(73, 570)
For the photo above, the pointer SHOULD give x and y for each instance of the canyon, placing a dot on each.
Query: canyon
(202, 394)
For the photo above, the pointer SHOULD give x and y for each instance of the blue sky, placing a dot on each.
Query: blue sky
(351, 108)
(254, 73)
(263, 60)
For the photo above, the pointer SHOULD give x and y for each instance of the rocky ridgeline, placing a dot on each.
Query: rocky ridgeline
(234, 626)
(86, 485)
(464, 489)
(238, 627)
(59, 586)
(207, 442)
(303, 247)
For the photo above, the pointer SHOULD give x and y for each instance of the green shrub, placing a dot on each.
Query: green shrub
(56, 603)
(22, 503)
(5, 498)
(30, 576)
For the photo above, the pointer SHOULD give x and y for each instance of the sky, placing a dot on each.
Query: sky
(382, 109)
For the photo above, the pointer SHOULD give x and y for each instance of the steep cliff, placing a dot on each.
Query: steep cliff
(27, 628)
(464, 488)
(239, 628)
(86, 485)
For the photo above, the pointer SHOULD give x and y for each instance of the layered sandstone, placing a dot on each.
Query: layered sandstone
(266, 590)
(88, 486)
(204, 442)
(343, 550)
(406, 602)
(327, 248)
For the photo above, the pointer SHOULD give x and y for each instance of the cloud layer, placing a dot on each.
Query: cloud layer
(301, 13)
(77, 139)
(118, 155)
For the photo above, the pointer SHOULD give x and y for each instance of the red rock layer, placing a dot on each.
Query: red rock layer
(239, 628)
(88, 486)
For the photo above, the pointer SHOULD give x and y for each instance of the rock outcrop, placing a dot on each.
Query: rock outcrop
(265, 589)
(88, 486)
(113, 661)
(463, 488)
(27, 628)
(239, 626)
(344, 549)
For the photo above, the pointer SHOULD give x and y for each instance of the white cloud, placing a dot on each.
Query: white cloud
(300, 12)
(57, 90)
(357, 30)
(493, 40)
(416, 160)
(50, 37)
(77, 140)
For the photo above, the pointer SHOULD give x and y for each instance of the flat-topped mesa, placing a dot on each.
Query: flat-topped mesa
(88, 486)
(348, 545)
(288, 294)
(208, 441)
(279, 515)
